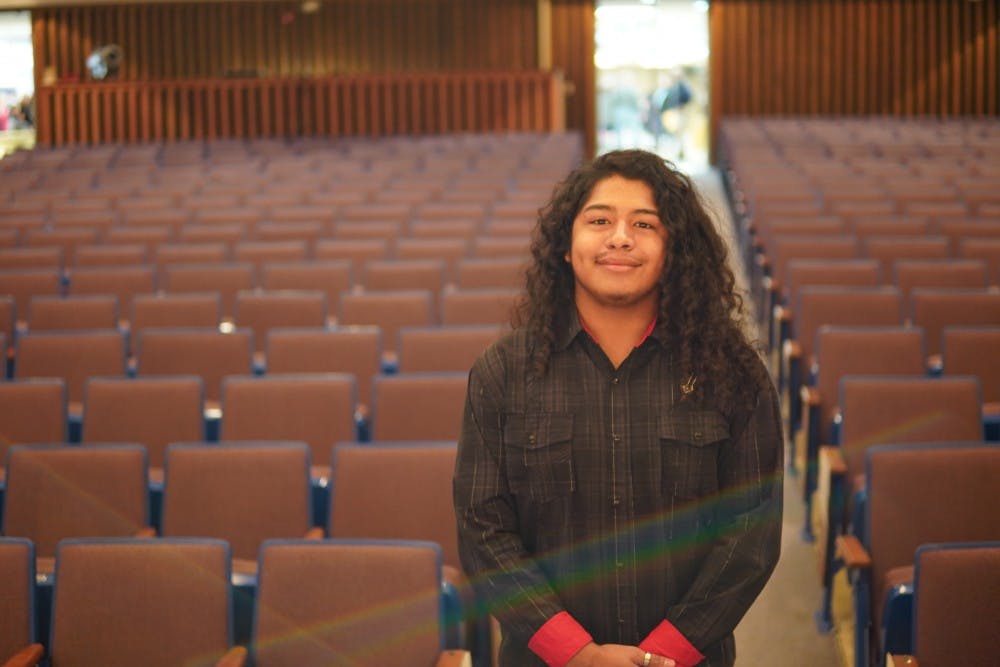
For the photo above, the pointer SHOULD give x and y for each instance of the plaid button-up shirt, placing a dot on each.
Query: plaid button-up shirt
(607, 494)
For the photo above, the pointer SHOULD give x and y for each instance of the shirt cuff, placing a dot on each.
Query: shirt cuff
(559, 639)
(666, 640)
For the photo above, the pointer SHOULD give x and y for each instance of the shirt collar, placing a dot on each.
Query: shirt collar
(575, 327)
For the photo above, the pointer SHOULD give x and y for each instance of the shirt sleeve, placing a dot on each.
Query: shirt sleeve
(748, 512)
(507, 581)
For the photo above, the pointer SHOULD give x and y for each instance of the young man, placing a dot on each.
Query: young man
(618, 485)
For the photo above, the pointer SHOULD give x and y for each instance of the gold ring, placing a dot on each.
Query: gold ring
(646, 658)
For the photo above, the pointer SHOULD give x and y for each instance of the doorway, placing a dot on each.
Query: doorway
(17, 82)
(651, 64)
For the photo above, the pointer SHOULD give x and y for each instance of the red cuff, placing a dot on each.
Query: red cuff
(666, 640)
(559, 639)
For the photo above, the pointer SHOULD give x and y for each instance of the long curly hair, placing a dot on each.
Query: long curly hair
(700, 311)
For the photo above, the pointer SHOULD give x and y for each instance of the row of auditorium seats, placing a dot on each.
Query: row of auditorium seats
(871, 248)
(261, 310)
(167, 602)
(243, 492)
(316, 408)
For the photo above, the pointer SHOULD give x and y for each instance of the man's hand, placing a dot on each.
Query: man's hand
(616, 655)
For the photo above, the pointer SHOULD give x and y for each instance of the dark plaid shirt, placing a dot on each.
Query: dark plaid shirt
(607, 493)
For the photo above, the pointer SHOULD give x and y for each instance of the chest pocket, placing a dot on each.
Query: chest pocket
(689, 452)
(539, 448)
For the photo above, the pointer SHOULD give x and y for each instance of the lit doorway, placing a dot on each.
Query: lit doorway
(652, 78)
(17, 82)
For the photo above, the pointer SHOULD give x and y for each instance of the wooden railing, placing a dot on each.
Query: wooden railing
(358, 105)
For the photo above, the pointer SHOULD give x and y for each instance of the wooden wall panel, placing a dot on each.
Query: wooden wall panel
(854, 57)
(573, 49)
(275, 39)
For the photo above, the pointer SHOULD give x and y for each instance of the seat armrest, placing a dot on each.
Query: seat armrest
(853, 553)
(314, 533)
(27, 657)
(900, 661)
(234, 657)
(454, 659)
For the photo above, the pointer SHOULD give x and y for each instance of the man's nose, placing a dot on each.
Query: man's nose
(620, 235)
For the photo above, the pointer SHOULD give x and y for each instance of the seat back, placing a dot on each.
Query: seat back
(935, 309)
(207, 353)
(262, 311)
(884, 409)
(420, 506)
(22, 284)
(956, 605)
(478, 305)
(333, 602)
(974, 351)
(910, 274)
(152, 411)
(73, 356)
(225, 278)
(889, 249)
(842, 351)
(154, 602)
(356, 350)
(125, 282)
(854, 306)
(314, 408)
(389, 310)
(32, 412)
(243, 493)
(332, 277)
(59, 492)
(445, 348)
(48, 313)
(418, 406)
(17, 612)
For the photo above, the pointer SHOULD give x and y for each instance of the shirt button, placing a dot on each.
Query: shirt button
(531, 438)
(615, 501)
(621, 621)
(614, 380)
(616, 438)
(620, 564)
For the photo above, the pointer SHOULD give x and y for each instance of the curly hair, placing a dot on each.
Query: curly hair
(700, 311)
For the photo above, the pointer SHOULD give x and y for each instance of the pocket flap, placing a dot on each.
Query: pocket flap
(531, 431)
(698, 427)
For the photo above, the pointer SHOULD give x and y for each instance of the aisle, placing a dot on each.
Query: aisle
(779, 630)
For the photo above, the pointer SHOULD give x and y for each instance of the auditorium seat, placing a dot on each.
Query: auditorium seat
(12, 259)
(330, 276)
(489, 306)
(356, 250)
(314, 408)
(56, 492)
(73, 356)
(243, 493)
(934, 309)
(225, 278)
(151, 411)
(22, 284)
(401, 274)
(914, 495)
(66, 313)
(31, 412)
(842, 351)
(125, 282)
(444, 348)
(389, 310)
(909, 274)
(259, 252)
(107, 254)
(207, 353)
(418, 406)
(315, 603)
(132, 602)
(19, 644)
(502, 272)
(878, 410)
(955, 605)
(260, 311)
(163, 310)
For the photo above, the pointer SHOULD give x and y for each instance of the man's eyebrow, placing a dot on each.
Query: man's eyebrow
(608, 207)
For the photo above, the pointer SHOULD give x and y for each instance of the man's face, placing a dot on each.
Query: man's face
(619, 246)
